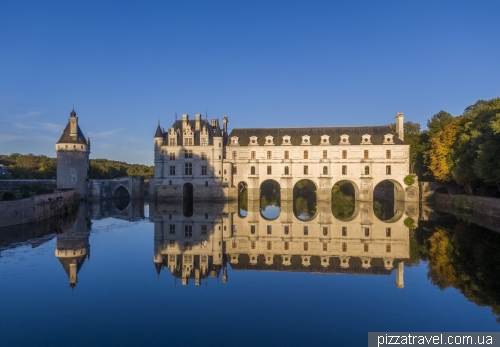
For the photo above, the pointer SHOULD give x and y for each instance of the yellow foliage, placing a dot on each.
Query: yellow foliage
(441, 264)
(441, 152)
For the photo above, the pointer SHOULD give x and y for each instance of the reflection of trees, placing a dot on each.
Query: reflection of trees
(383, 209)
(269, 194)
(243, 199)
(343, 201)
(466, 257)
(304, 199)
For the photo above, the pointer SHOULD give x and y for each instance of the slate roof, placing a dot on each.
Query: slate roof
(65, 137)
(355, 134)
(212, 131)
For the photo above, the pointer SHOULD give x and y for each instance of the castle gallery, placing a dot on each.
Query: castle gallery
(200, 159)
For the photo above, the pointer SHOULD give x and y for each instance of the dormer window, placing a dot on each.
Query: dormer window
(253, 141)
(388, 139)
(306, 140)
(287, 140)
(269, 140)
(234, 141)
(325, 140)
(365, 139)
(344, 140)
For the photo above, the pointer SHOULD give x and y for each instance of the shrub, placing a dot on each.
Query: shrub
(409, 180)
(409, 223)
(7, 196)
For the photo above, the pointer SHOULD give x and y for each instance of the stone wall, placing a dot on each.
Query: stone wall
(15, 184)
(38, 207)
(106, 188)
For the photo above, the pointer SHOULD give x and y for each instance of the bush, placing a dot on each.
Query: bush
(409, 223)
(8, 196)
(409, 180)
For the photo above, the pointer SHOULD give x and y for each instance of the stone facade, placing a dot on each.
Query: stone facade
(73, 152)
(364, 156)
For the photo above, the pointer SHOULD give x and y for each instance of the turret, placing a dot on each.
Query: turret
(197, 122)
(224, 124)
(400, 128)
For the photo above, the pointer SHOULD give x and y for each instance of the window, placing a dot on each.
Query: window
(269, 229)
(204, 170)
(206, 185)
(188, 141)
(387, 232)
(367, 231)
(325, 246)
(344, 246)
(188, 153)
(203, 156)
(252, 244)
(235, 170)
(172, 142)
(172, 228)
(188, 230)
(204, 258)
(344, 154)
(172, 155)
(287, 246)
(234, 154)
(269, 245)
(252, 229)
(287, 155)
(269, 170)
(287, 170)
(188, 168)
(344, 231)
(286, 230)
(388, 248)
(253, 155)
(269, 155)
(234, 244)
(204, 142)
(306, 246)
(344, 169)
(225, 171)
(365, 247)
(367, 170)
(306, 154)
(188, 246)
(387, 169)
(325, 170)
(172, 171)
(366, 154)
(388, 154)
(252, 170)
(306, 230)
(172, 258)
(171, 243)
(325, 154)
(306, 169)
(325, 231)
(203, 229)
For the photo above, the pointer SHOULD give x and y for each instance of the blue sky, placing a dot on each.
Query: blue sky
(124, 64)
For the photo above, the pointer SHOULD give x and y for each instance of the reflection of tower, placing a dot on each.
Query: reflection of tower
(73, 152)
(400, 271)
(73, 247)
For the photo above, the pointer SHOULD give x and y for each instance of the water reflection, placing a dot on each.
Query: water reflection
(270, 199)
(304, 200)
(243, 199)
(343, 200)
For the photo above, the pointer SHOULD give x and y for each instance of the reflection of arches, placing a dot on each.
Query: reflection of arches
(388, 201)
(270, 199)
(121, 198)
(304, 200)
(242, 199)
(121, 192)
(345, 207)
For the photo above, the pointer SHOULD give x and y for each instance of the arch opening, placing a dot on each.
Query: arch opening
(386, 195)
(187, 200)
(121, 198)
(304, 200)
(343, 200)
(270, 199)
(242, 199)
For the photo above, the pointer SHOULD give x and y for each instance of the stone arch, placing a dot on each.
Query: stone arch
(270, 199)
(242, 199)
(121, 198)
(388, 201)
(120, 192)
(344, 208)
(399, 191)
(305, 198)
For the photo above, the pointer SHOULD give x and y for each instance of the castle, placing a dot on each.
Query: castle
(199, 159)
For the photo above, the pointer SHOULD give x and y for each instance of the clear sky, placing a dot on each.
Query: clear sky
(126, 64)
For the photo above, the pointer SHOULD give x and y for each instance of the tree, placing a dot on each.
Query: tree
(441, 152)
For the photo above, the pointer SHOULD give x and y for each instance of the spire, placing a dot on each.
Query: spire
(73, 113)
(158, 131)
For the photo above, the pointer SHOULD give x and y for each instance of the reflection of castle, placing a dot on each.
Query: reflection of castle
(73, 246)
(192, 247)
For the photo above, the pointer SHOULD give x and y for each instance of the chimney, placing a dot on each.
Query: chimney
(214, 122)
(224, 123)
(400, 271)
(400, 128)
(197, 125)
(185, 120)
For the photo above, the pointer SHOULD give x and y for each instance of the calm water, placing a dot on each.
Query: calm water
(144, 275)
